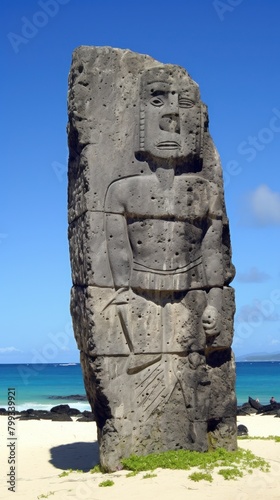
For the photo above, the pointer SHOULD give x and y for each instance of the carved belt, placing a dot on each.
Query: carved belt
(185, 269)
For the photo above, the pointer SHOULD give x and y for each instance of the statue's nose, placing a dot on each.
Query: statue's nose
(170, 123)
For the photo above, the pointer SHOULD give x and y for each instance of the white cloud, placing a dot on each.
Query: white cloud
(5, 350)
(252, 276)
(263, 206)
(257, 313)
(275, 342)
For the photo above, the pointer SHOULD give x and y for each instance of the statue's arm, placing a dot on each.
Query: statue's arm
(212, 252)
(118, 246)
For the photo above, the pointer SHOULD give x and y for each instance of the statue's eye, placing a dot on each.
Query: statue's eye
(184, 102)
(156, 101)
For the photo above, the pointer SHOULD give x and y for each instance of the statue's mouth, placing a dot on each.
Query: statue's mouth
(168, 145)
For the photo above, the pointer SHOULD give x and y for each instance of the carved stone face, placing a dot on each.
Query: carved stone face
(171, 115)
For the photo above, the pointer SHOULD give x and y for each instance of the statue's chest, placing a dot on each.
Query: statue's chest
(186, 199)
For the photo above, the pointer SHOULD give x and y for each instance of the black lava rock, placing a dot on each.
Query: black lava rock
(61, 417)
(60, 409)
(242, 430)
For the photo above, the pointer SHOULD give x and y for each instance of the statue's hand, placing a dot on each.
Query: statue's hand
(211, 320)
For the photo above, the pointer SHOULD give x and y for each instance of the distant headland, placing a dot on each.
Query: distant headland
(259, 357)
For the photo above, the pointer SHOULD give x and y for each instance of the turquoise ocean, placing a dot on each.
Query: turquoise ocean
(35, 384)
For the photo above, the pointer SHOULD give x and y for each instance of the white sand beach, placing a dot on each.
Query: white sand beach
(45, 449)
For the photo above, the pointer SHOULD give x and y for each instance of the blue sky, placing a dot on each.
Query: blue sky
(231, 48)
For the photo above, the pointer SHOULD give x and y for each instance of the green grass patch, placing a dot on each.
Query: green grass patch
(95, 469)
(201, 476)
(149, 475)
(47, 495)
(269, 438)
(233, 461)
(132, 473)
(230, 473)
(106, 483)
(67, 472)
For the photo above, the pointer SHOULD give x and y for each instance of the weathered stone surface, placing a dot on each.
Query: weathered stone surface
(150, 255)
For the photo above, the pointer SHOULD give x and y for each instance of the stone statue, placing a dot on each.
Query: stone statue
(153, 316)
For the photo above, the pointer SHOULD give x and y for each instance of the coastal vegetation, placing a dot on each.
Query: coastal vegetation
(47, 495)
(229, 464)
(268, 438)
(149, 475)
(108, 482)
(67, 472)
